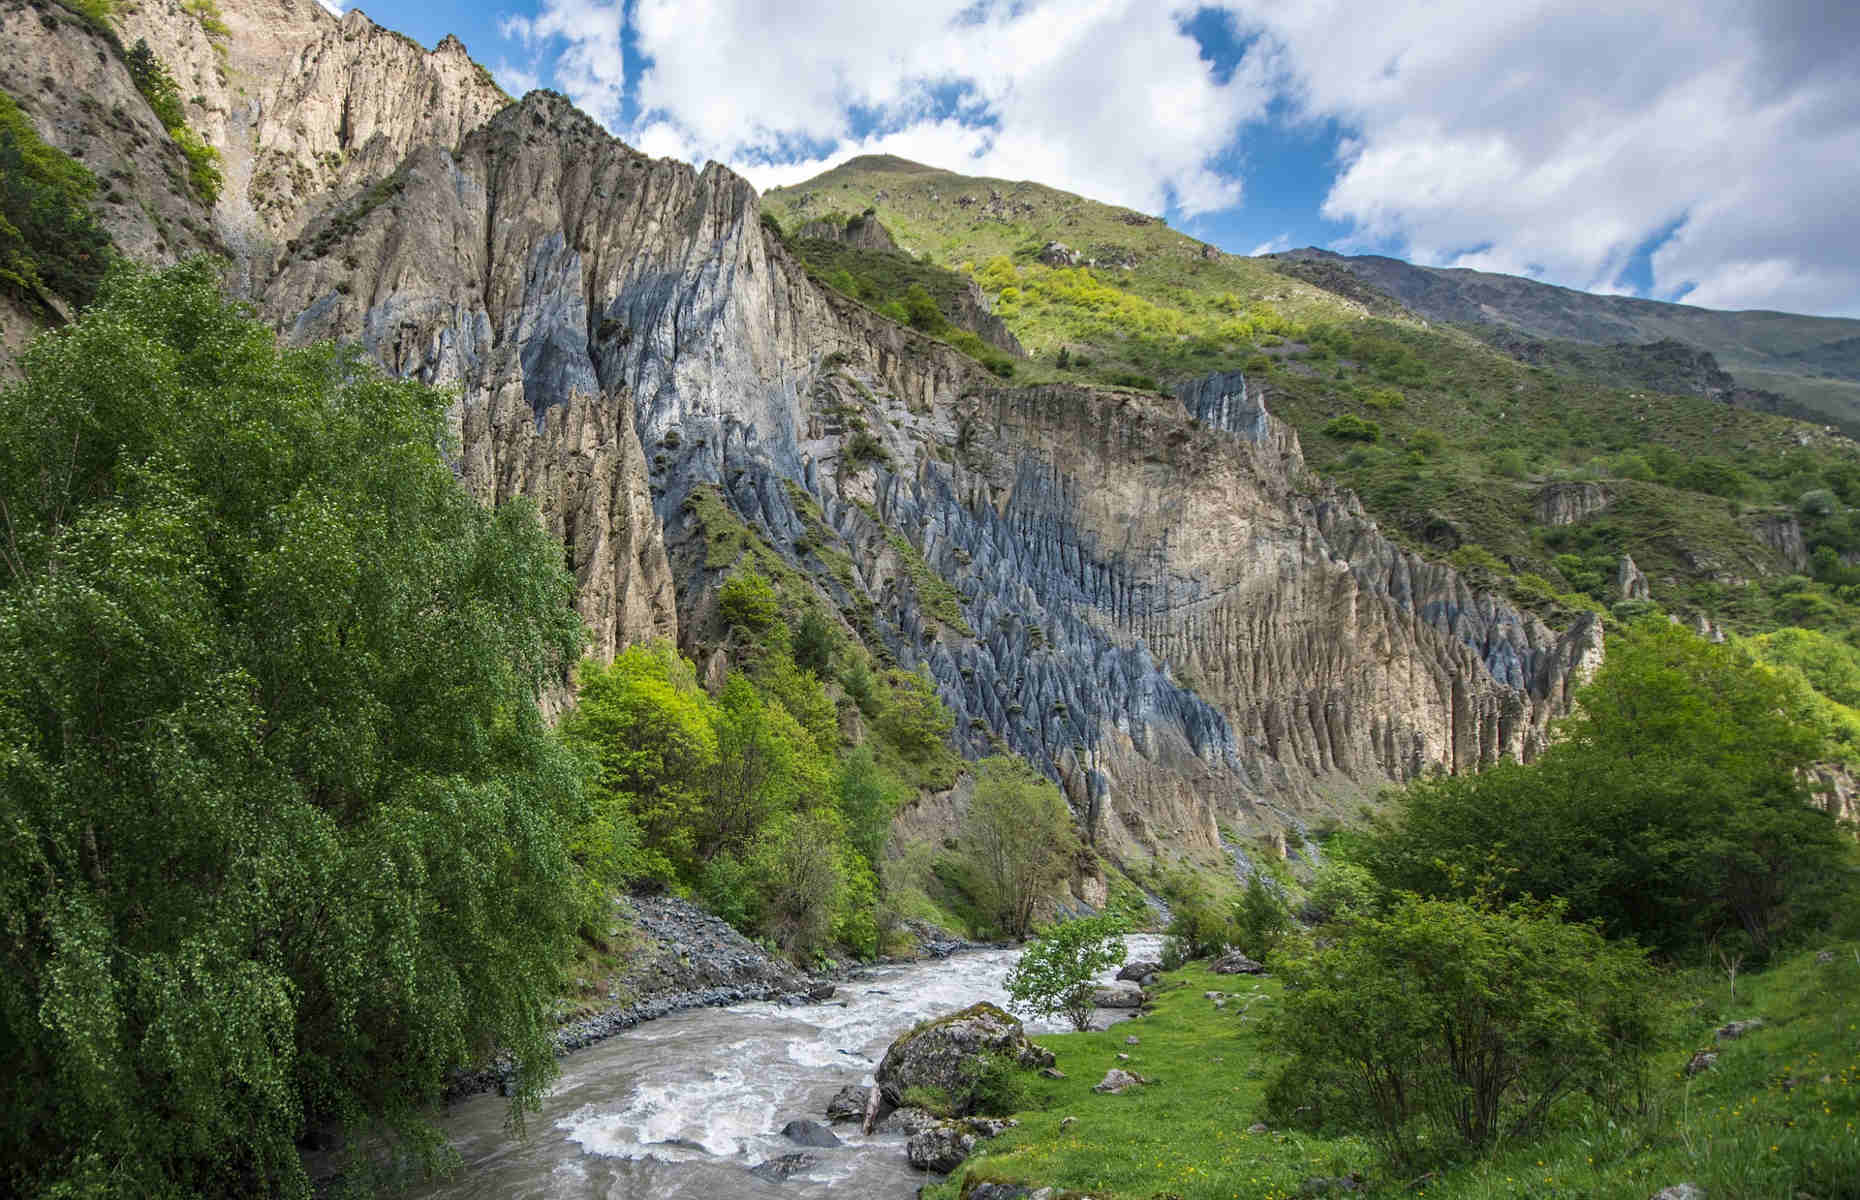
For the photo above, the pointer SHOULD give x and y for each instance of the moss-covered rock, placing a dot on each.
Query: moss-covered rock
(947, 1055)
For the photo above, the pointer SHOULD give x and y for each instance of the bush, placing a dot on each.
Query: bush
(1058, 973)
(812, 644)
(1351, 428)
(48, 238)
(914, 718)
(1018, 840)
(1445, 1026)
(1261, 921)
(748, 602)
(1818, 502)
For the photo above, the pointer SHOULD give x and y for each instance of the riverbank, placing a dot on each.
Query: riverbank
(1774, 1115)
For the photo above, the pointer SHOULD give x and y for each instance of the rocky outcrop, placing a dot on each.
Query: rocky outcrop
(1568, 503)
(1782, 533)
(943, 1055)
(948, 1144)
(863, 232)
(1630, 580)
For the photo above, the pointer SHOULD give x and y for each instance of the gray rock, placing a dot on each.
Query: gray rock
(1116, 1080)
(1133, 1040)
(1737, 1029)
(1123, 995)
(848, 1104)
(1236, 963)
(908, 1121)
(1701, 1062)
(946, 1145)
(1138, 970)
(944, 1053)
(1681, 1191)
(809, 1133)
(776, 1170)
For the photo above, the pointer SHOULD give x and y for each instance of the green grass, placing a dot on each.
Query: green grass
(1777, 1118)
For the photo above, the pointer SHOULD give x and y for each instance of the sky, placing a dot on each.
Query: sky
(1698, 150)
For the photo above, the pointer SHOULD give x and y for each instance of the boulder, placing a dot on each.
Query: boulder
(1122, 995)
(1138, 971)
(775, 1170)
(1235, 963)
(809, 1133)
(1058, 254)
(848, 1104)
(1701, 1062)
(947, 1144)
(907, 1121)
(1681, 1191)
(1737, 1029)
(944, 1053)
(1116, 1080)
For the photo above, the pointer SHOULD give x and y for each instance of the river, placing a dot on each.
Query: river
(685, 1105)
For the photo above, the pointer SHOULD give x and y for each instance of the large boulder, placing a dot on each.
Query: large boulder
(1137, 970)
(775, 1170)
(946, 1145)
(809, 1133)
(947, 1054)
(848, 1104)
(1121, 995)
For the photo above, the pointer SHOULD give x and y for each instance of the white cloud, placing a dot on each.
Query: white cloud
(518, 81)
(333, 7)
(591, 67)
(1105, 97)
(1556, 138)
(1272, 245)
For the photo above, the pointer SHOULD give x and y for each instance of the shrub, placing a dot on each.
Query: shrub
(812, 643)
(997, 1086)
(1383, 399)
(48, 238)
(1511, 464)
(1017, 838)
(1447, 1025)
(1261, 921)
(914, 718)
(1818, 502)
(1058, 973)
(747, 601)
(1351, 428)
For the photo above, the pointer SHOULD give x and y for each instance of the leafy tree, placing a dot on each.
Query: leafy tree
(1018, 839)
(284, 825)
(922, 312)
(797, 866)
(1058, 973)
(867, 803)
(164, 96)
(747, 601)
(1671, 809)
(1448, 1025)
(1261, 921)
(914, 718)
(813, 644)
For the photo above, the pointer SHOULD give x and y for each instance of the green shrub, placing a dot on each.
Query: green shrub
(1351, 428)
(1511, 464)
(1260, 918)
(747, 601)
(1445, 1026)
(48, 238)
(1383, 399)
(1017, 838)
(998, 1086)
(914, 718)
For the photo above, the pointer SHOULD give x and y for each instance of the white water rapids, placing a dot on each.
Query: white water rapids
(683, 1106)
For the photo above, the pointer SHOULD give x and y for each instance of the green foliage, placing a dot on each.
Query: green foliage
(914, 717)
(1670, 809)
(796, 864)
(813, 643)
(285, 824)
(1058, 973)
(1351, 428)
(1017, 839)
(1261, 920)
(1339, 891)
(48, 238)
(1445, 1026)
(1201, 923)
(748, 602)
(159, 89)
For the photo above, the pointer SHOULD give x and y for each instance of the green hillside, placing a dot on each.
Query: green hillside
(1449, 440)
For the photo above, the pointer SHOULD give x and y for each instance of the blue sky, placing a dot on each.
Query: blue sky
(1708, 151)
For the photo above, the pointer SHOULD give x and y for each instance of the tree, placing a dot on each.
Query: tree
(1018, 839)
(813, 644)
(1671, 810)
(285, 831)
(748, 602)
(1449, 1023)
(797, 867)
(914, 718)
(1261, 920)
(1058, 973)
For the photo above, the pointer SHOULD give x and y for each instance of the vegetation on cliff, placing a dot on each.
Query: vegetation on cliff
(49, 242)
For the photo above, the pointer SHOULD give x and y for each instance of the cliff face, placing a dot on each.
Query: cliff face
(1150, 598)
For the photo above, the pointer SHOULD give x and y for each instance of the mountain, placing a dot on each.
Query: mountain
(1813, 361)
(1131, 562)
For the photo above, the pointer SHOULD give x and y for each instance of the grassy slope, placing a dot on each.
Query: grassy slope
(1776, 1117)
(1449, 406)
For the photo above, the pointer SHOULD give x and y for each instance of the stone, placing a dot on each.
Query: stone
(1737, 1029)
(998, 1191)
(947, 1144)
(848, 1104)
(1681, 1191)
(908, 1121)
(1133, 1040)
(941, 1054)
(809, 1133)
(1256, 1127)
(1701, 1062)
(1116, 1080)
(776, 1170)
(1068, 1122)
(1052, 1073)
(1630, 582)
(1137, 970)
(1058, 254)
(1236, 963)
(1123, 995)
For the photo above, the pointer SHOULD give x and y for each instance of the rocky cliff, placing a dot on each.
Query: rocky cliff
(1151, 598)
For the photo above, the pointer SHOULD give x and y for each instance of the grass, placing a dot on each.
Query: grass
(1777, 1117)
